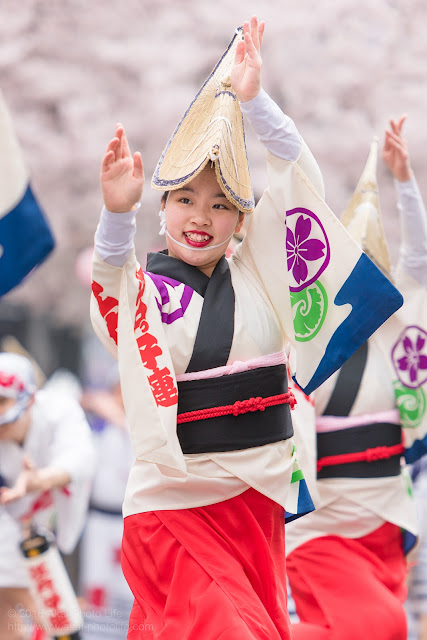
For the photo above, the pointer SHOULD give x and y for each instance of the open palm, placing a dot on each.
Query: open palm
(122, 176)
(246, 72)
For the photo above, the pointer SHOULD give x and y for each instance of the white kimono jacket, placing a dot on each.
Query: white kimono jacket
(295, 257)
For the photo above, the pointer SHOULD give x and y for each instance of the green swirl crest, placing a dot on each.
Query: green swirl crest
(309, 308)
(411, 404)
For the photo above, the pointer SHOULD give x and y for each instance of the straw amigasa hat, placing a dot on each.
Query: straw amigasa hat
(362, 218)
(210, 130)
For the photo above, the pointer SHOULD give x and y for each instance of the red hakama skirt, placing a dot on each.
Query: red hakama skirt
(350, 589)
(214, 573)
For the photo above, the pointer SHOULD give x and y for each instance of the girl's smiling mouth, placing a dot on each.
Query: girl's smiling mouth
(197, 238)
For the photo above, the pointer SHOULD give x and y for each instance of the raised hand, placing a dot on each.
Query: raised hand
(23, 485)
(395, 151)
(122, 176)
(246, 72)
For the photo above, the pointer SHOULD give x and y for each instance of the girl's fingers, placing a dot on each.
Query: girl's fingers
(120, 134)
(261, 29)
(257, 32)
(393, 144)
(396, 138)
(250, 47)
(393, 125)
(119, 149)
(391, 135)
(112, 145)
(396, 125)
(401, 121)
(399, 148)
(392, 138)
(240, 52)
(108, 160)
(125, 146)
(138, 167)
(254, 32)
(245, 30)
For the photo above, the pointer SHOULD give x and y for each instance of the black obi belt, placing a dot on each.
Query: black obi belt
(368, 451)
(236, 411)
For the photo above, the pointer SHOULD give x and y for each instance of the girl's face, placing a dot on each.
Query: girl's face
(199, 215)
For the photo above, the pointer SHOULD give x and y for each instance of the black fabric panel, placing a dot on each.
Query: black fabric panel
(216, 326)
(162, 264)
(367, 436)
(347, 384)
(358, 439)
(377, 469)
(224, 390)
(230, 433)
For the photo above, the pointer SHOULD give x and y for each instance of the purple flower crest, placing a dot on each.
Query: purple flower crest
(409, 356)
(307, 247)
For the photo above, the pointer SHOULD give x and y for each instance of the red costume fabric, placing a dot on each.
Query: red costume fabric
(348, 589)
(214, 572)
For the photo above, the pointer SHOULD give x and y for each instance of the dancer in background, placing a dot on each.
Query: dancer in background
(46, 467)
(346, 560)
(201, 348)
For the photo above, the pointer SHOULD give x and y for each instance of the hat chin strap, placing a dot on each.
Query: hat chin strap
(187, 246)
(163, 231)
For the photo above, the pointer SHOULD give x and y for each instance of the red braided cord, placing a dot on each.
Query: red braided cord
(241, 406)
(369, 455)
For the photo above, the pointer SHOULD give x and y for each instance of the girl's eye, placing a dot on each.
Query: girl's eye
(185, 200)
(219, 206)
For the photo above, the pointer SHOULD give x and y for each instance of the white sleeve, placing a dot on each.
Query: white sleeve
(114, 236)
(274, 129)
(71, 449)
(413, 224)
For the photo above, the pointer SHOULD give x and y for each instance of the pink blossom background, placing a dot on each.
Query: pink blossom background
(70, 70)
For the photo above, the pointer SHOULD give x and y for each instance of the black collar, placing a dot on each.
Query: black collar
(216, 326)
(162, 264)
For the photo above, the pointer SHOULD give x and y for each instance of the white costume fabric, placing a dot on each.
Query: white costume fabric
(58, 436)
(354, 507)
